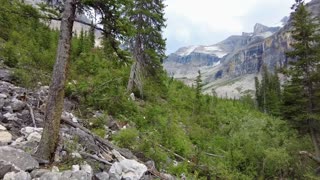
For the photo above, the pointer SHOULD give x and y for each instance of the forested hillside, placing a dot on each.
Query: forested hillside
(183, 131)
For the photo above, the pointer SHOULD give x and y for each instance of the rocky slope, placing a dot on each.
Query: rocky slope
(80, 153)
(233, 73)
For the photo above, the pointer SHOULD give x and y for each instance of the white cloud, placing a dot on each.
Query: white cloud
(193, 22)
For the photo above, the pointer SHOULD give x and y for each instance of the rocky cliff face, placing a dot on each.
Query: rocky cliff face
(232, 57)
(244, 56)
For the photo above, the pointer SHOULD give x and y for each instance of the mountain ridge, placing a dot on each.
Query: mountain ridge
(246, 54)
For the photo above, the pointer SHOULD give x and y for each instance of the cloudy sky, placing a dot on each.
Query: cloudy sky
(206, 22)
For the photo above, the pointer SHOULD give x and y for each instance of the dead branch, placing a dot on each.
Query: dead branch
(311, 156)
(97, 138)
(175, 154)
(95, 158)
(32, 115)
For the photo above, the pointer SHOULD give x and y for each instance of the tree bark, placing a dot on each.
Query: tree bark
(50, 135)
(315, 142)
(132, 77)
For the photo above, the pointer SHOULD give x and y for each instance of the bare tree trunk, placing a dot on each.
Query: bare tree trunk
(132, 77)
(135, 80)
(50, 135)
(315, 142)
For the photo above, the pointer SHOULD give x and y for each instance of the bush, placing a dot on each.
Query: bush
(127, 138)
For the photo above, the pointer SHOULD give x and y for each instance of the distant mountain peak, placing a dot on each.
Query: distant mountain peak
(260, 28)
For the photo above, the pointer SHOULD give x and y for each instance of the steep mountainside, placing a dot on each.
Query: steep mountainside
(232, 74)
(77, 27)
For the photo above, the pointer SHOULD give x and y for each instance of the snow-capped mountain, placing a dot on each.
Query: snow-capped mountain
(229, 67)
(185, 63)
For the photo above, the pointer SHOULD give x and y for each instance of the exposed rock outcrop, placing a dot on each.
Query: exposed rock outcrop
(21, 120)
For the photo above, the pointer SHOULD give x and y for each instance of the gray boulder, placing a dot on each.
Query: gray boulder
(127, 169)
(17, 105)
(51, 176)
(79, 175)
(102, 176)
(5, 75)
(18, 158)
(66, 175)
(87, 168)
(37, 173)
(17, 176)
(6, 167)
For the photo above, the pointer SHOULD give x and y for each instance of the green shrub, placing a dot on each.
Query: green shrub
(127, 137)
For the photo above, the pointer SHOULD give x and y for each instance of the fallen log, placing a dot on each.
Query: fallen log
(98, 139)
(311, 156)
(32, 115)
(95, 158)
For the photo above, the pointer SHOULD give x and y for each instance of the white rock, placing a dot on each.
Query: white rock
(55, 169)
(127, 169)
(75, 168)
(76, 155)
(8, 109)
(75, 120)
(17, 176)
(133, 98)
(2, 128)
(17, 141)
(34, 137)
(28, 130)
(3, 96)
(86, 168)
(10, 117)
(5, 137)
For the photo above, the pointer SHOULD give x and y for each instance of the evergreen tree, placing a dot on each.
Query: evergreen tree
(92, 36)
(81, 43)
(111, 12)
(147, 44)
(268, 93)
(301, 92)
(258, 93)
(198, 88)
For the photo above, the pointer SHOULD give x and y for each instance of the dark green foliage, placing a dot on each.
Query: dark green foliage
(301, 92)
(147, 44)
(268, 92)
(19, 50)
(198, 88)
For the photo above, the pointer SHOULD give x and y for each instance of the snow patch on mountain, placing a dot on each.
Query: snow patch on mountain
(212, 50)
(185, 51)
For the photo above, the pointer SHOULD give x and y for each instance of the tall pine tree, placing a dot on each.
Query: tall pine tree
(147, 45)
(301, 96)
